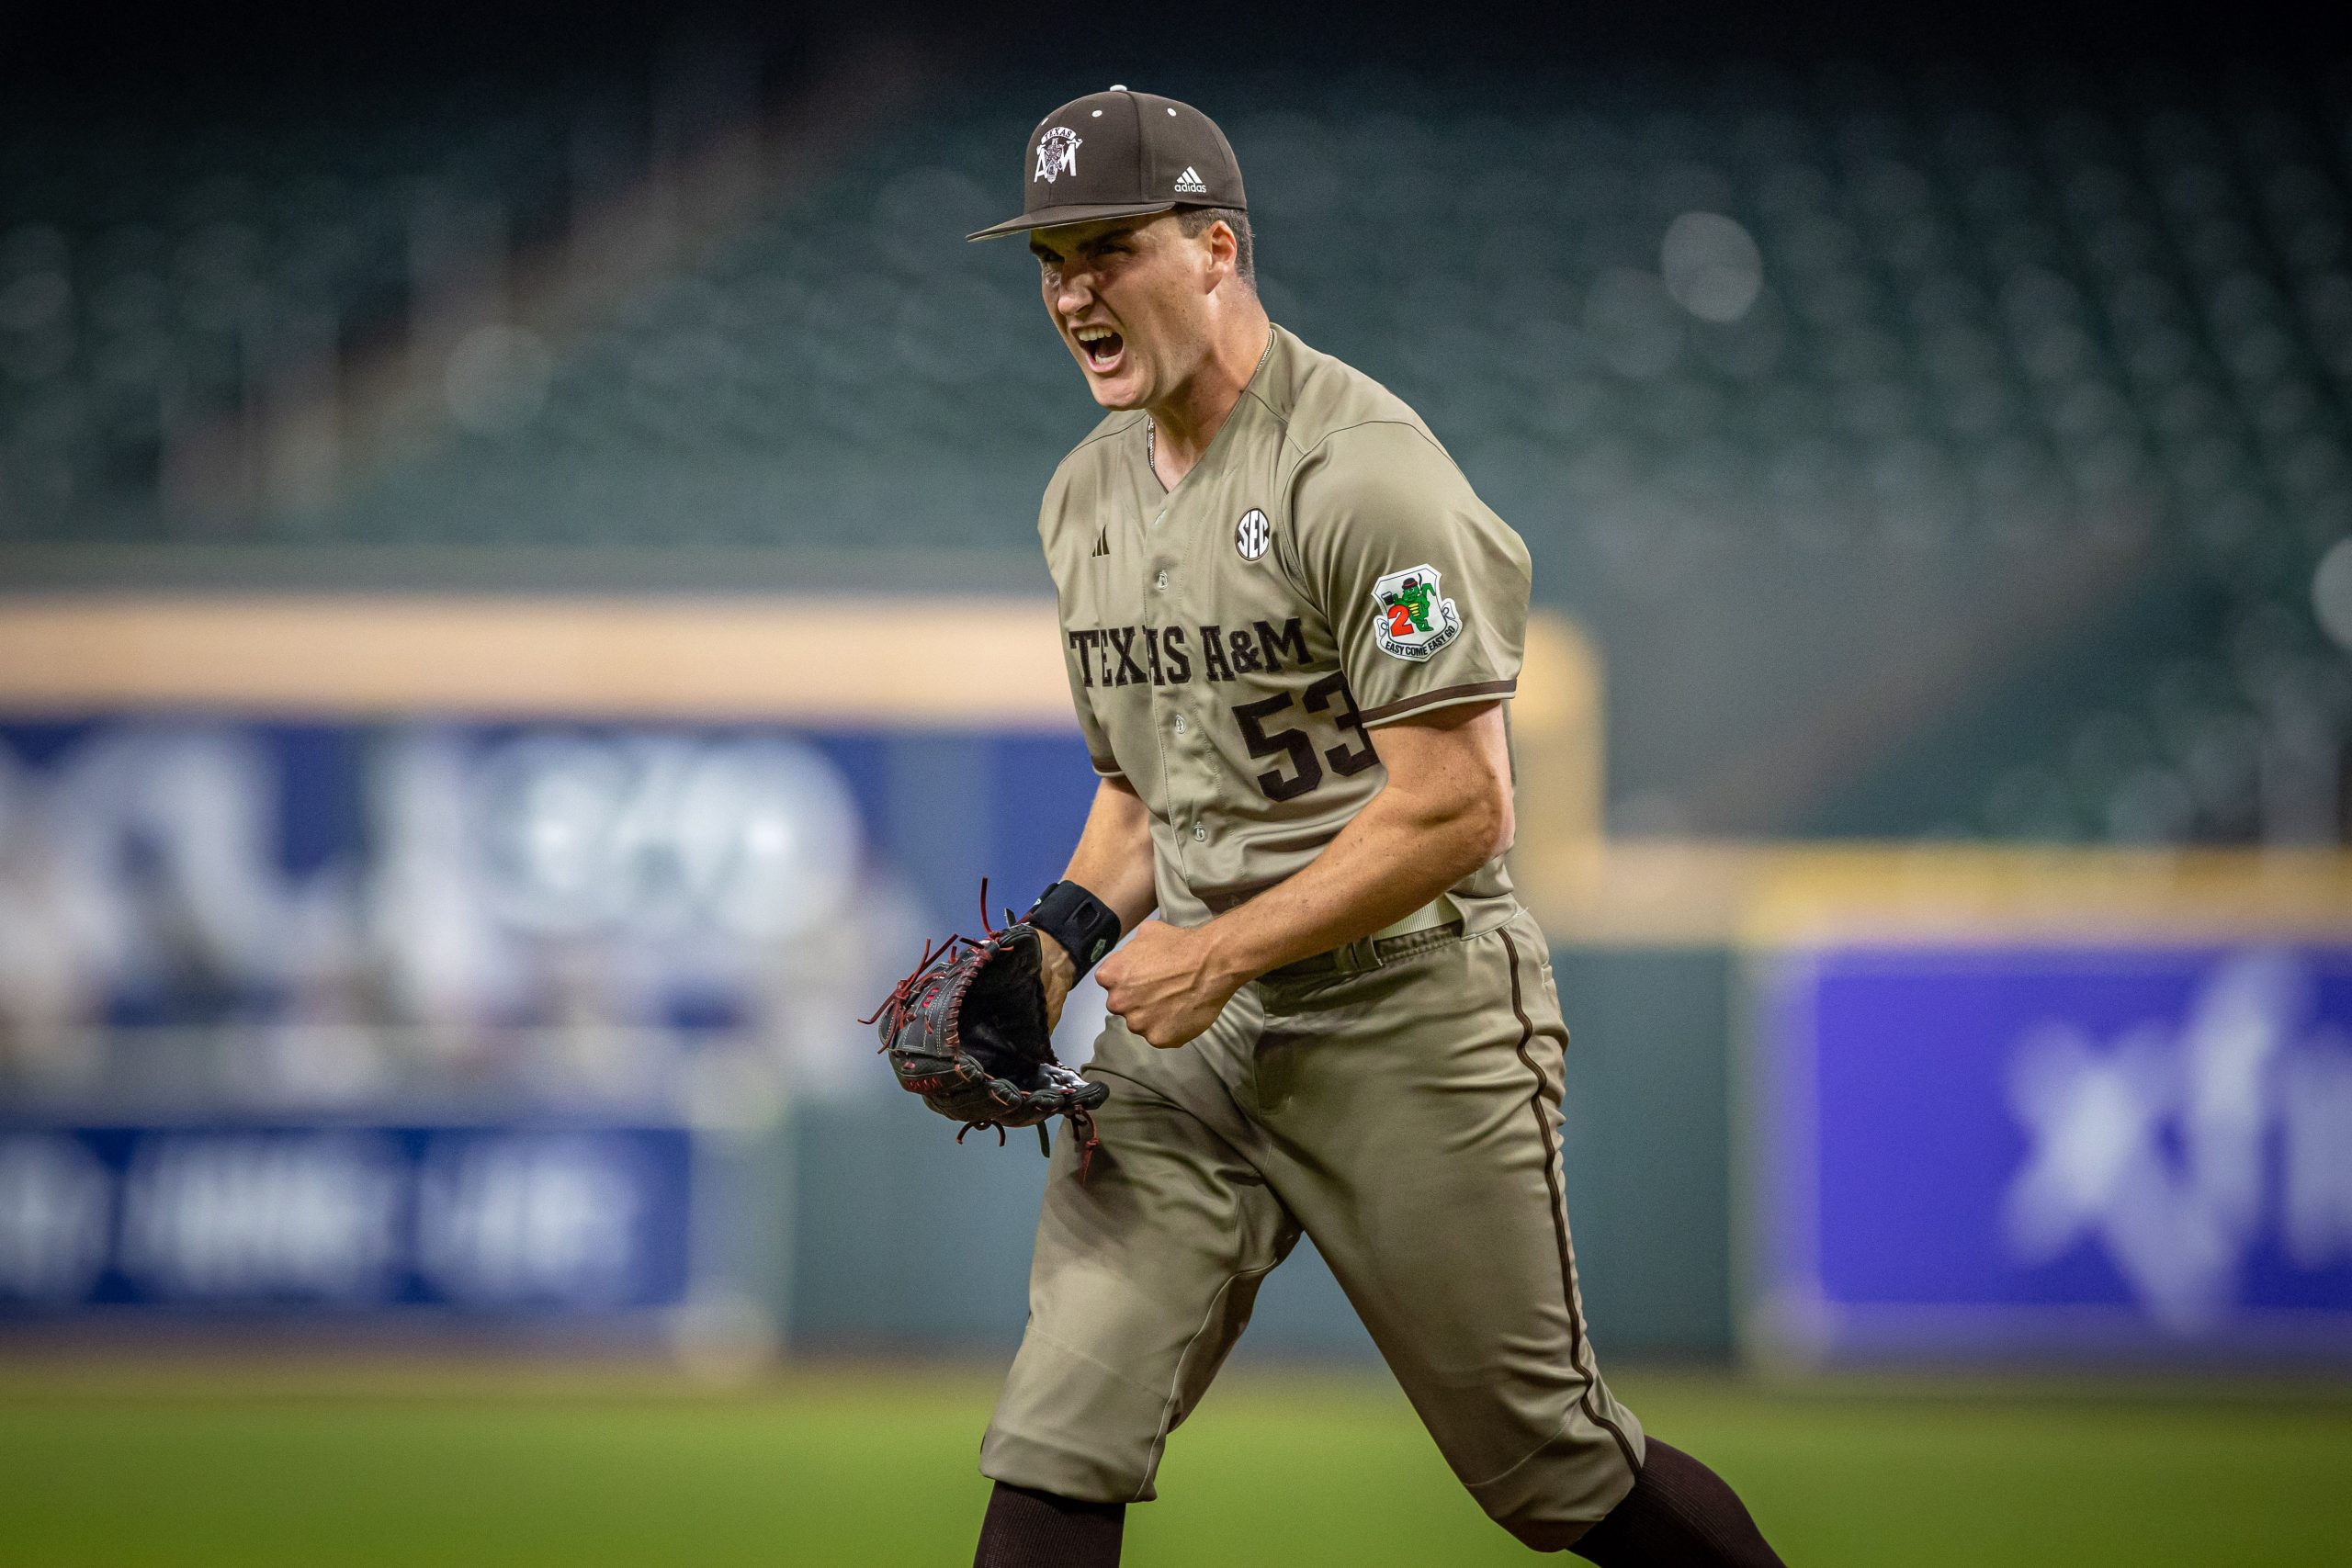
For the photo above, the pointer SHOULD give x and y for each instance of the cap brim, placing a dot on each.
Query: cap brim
(1054, 217)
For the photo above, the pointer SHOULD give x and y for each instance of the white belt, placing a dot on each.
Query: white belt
(1439, 911)
(1362, 953)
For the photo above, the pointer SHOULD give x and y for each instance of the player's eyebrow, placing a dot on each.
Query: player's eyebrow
(1088, 247)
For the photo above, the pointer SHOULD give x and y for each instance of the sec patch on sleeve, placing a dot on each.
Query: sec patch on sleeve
(1416, 619)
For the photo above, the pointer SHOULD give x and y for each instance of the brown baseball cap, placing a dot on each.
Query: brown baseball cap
(1120, 154)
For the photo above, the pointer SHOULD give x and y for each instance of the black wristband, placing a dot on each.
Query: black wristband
(1082, 923)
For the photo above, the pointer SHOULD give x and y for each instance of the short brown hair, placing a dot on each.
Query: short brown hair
(1196, 219)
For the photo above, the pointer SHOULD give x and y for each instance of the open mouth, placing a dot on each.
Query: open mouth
(1102, 346)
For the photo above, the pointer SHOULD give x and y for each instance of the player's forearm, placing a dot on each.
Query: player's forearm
(1396, 855)
(1112, 860)
(1413, 841)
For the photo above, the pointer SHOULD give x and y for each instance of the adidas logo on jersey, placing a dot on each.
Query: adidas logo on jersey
(1190, 183)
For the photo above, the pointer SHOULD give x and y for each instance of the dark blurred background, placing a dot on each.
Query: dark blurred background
(519, 609)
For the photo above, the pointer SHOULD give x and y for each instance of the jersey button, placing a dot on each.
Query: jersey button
(1162, 582)
(1180, 723)
(1200, 832)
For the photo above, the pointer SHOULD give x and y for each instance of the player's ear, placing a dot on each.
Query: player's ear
(1223, 251)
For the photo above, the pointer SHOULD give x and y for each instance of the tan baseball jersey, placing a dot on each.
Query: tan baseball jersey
(1323, 569)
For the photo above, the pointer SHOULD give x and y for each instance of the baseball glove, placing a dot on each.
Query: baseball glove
(967, 1030)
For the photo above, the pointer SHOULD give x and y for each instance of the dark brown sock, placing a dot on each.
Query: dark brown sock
(1037, 1529)
(1678, 1515)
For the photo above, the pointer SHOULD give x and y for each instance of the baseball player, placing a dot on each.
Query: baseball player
(1290, 628)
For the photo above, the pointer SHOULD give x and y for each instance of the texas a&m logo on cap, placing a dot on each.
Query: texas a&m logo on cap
(1057, 154)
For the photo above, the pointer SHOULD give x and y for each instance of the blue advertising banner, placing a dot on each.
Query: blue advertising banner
(333, 913)
(347, 1219)
(2058, 1150)
(369, 1019)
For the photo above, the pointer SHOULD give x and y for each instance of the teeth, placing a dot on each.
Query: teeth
(1092, 335)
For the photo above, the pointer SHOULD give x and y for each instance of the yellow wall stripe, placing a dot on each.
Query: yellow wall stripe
(958, 664)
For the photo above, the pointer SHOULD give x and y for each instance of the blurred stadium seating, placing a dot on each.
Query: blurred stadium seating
(183, 262)
(1979, 437)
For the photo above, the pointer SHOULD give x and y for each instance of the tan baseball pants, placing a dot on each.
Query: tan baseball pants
(1398, 1102)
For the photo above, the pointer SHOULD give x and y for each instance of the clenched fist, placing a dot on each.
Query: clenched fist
(1168, 983)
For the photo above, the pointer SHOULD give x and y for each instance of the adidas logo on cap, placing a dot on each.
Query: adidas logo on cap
(1188, 183)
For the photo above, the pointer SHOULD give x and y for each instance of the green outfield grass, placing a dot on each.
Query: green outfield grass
(310, 1469)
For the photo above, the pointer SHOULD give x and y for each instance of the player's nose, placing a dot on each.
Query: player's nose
(1075, 291)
